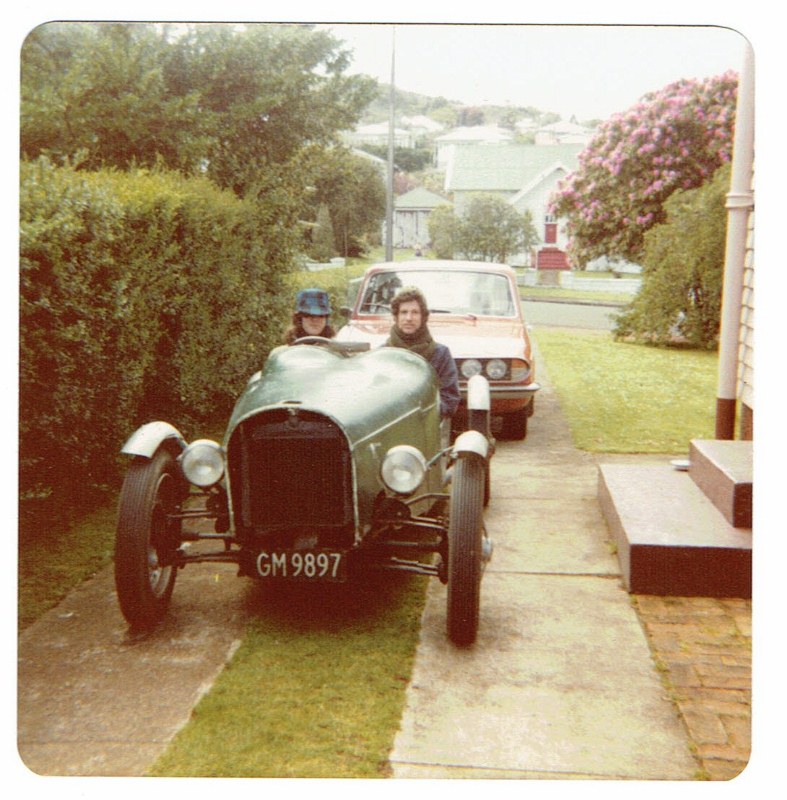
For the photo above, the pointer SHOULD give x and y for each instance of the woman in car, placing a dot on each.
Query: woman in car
(311, 317)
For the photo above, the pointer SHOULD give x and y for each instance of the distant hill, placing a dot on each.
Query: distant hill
(450, 112)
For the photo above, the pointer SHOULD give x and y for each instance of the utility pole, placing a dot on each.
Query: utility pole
(389, 215)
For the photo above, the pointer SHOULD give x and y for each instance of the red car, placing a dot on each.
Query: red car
(475, 310)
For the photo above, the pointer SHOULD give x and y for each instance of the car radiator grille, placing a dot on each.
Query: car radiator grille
(291, 471)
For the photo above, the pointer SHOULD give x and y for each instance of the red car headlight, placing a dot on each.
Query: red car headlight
(520, 370)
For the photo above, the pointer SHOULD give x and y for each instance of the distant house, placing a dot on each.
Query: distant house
(411, 216)
(380, 164)
(564, 133)
(377, 134)
(421, 125)
(447, 144)
(524, 175)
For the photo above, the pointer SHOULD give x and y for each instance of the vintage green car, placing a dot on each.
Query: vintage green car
(333, 463)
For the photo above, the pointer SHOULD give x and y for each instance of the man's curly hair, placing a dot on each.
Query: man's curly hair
(405, 295)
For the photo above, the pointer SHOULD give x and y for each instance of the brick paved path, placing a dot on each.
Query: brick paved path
(703, 646)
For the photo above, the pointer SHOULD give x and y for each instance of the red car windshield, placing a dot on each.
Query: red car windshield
(460, 292)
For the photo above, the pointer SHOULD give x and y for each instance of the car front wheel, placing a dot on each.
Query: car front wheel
(147, 538)
(465, 534)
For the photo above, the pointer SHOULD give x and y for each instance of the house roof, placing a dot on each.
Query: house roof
(475, 133)
(377, 128)
(565, 127)
(419, 198)
(507, 168)
(421, 121)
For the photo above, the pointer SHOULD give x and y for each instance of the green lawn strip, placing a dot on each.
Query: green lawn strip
(57, 555)
(629, 398)
(316, 690)
(579, 295)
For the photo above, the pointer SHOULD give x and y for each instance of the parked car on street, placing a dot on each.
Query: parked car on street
(332, 464)
(475, 310)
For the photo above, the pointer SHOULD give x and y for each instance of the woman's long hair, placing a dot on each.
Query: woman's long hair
(296, 331)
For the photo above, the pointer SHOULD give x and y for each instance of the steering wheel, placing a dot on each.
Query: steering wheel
(319, 340)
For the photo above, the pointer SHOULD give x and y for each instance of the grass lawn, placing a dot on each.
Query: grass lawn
(57, 554)
(556, 293)
(629, 398)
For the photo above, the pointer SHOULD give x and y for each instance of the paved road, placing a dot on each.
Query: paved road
(569, 315)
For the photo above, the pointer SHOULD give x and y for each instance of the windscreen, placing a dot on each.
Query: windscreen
(447, 292)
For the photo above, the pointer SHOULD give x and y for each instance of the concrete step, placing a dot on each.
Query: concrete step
(670, 538)
(723, 470)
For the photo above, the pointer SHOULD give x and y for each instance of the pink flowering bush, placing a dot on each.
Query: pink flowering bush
(672, 139)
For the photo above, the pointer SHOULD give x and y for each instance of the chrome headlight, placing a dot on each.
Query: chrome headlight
(496, 369)
(403, 469)
(202, 463)
(470, 367)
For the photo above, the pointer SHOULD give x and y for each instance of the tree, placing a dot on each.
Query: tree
(235, 102)
(444, 231)
(406, 159)
(491, 229)
(530, 237)
(352, 190)
(683, 266)
(470, 116)
(101, 91)
(673, 139)
(271, 89)
(323, 243)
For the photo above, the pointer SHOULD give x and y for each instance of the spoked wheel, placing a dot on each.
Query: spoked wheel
(147, 538)
(465, 533)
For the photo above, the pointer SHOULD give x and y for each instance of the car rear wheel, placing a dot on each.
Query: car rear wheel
(465, 533)
(147, 538)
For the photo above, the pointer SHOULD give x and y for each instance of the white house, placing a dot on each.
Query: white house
(411, 216)
(564, 133)
(525, 175)
(447, 144)
(421, 125)
(377, 134)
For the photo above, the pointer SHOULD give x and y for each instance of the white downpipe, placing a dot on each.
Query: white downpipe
(740, 200)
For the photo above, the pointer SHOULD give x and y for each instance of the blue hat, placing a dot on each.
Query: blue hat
(314, 302)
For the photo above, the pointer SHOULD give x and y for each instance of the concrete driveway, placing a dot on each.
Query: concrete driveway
(561, 682)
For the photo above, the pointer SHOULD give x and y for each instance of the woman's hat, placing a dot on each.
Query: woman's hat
(314, 302)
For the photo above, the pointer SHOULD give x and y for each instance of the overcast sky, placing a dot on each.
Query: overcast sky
(589, 71)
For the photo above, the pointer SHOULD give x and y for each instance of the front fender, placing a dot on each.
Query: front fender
(478, 395)
(471, 442)
(149, 437)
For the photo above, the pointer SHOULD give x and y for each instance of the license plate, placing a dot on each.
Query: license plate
(308, 565)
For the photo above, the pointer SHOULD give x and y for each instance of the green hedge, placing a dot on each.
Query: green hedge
(142, 296)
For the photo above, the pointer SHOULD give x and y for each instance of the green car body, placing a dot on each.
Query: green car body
(378, 399)
(332, 463)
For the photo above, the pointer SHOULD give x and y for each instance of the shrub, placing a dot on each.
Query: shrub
(143, 295)
(683, 269)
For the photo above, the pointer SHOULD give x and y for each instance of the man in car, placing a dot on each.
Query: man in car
(410, 313)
